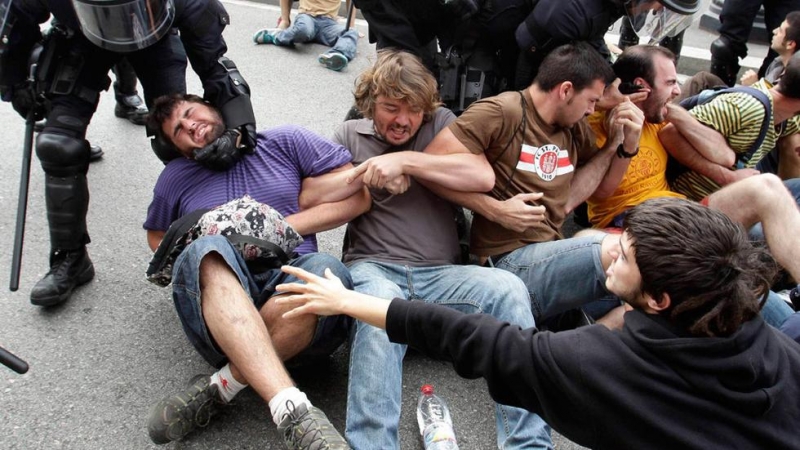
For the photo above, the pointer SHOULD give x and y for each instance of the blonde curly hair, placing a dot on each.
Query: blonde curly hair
(397, 75)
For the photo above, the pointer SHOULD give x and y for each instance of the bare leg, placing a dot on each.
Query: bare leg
(239, 330)
(789, 162)
(764, 198)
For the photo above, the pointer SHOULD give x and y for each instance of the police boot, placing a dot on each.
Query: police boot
(95, 153)
(131, 107)
(724, 61)
(68, 270)
(65, 161)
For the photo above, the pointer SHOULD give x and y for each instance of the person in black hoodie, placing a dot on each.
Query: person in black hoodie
(694, 365)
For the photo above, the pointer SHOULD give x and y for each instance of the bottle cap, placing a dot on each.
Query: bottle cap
(427, 389)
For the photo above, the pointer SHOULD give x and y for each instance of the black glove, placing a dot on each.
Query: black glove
(223, 153)
(23, 100)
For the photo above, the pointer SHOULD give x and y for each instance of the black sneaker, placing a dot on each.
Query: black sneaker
(131, 107)
(794, 296)
(68, 270)
(174, 417)
(309, 429)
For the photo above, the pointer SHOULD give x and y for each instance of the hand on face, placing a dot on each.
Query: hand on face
(625, 125)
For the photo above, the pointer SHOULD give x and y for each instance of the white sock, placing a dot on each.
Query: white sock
(278, 403)
(228, 386)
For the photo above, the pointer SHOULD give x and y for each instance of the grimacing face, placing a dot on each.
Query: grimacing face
(191, 126)
(395, 121)
(664, 89)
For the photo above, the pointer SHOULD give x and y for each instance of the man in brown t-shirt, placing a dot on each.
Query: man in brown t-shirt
(545, 163)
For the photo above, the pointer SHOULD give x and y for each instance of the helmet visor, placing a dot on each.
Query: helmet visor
(124, 25)
(651, 19)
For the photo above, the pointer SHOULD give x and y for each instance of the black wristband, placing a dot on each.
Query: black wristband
(623, 154)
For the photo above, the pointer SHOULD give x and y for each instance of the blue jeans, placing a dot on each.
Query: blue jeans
(376, 365)
(322, 30)
(330, 333)
(561, 275)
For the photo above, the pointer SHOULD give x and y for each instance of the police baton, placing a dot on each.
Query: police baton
(24, 181)
(350, 12)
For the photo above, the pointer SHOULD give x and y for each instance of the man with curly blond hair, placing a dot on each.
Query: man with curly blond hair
(406, 246)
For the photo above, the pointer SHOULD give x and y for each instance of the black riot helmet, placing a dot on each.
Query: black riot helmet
(658, 19)
(124, 25)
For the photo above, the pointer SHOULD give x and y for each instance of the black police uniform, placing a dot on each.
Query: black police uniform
(81, 73)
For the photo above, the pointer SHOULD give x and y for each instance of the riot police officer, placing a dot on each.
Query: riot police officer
(88, 38)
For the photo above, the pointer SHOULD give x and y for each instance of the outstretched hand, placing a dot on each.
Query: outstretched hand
(321, 296)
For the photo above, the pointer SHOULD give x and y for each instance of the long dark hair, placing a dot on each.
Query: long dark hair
(705, 262)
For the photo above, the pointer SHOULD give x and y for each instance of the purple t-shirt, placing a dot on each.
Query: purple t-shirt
(272, 175)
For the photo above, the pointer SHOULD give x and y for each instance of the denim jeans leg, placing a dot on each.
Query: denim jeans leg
(560, 275)
(303, 29)
(473, 289)
(332, 34)
(775, 310)
(374, 389)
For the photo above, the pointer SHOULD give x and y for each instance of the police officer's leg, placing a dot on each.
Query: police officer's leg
(129, 105)
(161, 68)
(737, 20)
(64, 155)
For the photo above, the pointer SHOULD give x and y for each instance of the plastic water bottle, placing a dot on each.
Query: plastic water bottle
(435, 424)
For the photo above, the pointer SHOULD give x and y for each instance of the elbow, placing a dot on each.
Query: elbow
(487, 182)
(304, 201)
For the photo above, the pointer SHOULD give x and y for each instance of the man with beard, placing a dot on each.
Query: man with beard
(406, 246)
(630, 181)
(694, 366)
(227, 307)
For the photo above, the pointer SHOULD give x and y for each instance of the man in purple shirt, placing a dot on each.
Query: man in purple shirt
(223, 306)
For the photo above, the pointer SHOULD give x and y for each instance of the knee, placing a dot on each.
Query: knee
(764, 189)
(62, 155)
(316, 263)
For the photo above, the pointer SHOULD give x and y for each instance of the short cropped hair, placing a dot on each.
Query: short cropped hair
(578, 63)
(637, 61)
(163, 107)
(398, 75)
(793, 30)
(703, 260)
(789, 83)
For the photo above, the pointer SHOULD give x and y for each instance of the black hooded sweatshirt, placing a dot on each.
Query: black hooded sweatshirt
(644, 387)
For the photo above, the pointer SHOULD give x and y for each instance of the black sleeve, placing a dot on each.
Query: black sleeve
(26, 16)
(478, 345)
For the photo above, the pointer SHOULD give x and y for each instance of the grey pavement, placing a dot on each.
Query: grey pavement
(98, 362)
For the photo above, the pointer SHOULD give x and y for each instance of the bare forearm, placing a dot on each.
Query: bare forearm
(684, 152)
(613, 177)
(464, 172)
(588, 177)
(368, 309)
(705, 140)
(327, 216)
(331, 187)
(474, 201)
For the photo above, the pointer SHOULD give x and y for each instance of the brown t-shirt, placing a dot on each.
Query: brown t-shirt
(544, 161)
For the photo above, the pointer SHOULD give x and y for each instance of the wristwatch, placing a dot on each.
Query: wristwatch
(623, 154)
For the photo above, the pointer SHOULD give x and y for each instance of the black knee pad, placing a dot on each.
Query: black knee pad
(723, 50)
(62, 155)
